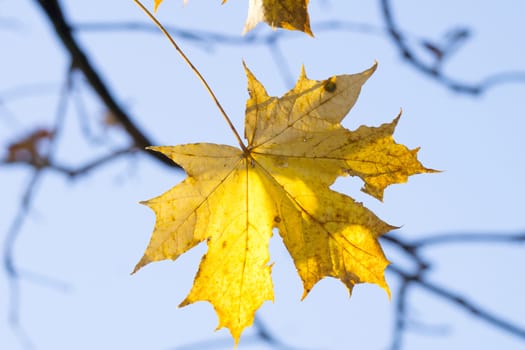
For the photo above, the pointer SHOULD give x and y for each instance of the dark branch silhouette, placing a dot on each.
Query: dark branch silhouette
(80, 61)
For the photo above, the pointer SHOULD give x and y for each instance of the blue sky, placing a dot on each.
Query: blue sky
(88, 234)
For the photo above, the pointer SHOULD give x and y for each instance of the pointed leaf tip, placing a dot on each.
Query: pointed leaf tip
(156, 5)
(302, 75)
(143, 262)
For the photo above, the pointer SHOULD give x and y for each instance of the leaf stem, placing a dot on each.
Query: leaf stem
(196, 71)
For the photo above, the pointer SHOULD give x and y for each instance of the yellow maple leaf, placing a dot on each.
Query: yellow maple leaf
(287, 14)
(233, 198)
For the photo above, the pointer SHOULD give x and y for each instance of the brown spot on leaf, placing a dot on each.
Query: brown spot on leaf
(330, 85)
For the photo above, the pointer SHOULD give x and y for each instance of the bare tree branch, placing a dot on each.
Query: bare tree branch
(463, 303)
(400, 316)
(55, 15)
(12, 271)
(434, 71)
(401, 40)
(469, 238)
(418, 278)
(210, 39)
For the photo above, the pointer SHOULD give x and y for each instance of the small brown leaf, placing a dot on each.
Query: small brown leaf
(29, 149)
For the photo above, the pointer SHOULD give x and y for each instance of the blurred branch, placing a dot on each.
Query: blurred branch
(87, 168)
(454, 238)
(401, 39)
(208, 39)
(28, 151)
(12, 272)
(400, 315)
(55, 15)
(418, 278)
(32, 153)
(78, 171)
(434, 71)
(461, 302)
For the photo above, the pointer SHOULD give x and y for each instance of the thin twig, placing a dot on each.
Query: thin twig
(409, 249)
(454, 238)
(206, 38)
(82, 114)
(63, 29)
(462, 303)
(196, 71)
(400, 316)
(12, 271)
(402, 40)
(86, 168)
(13, 234)
(432, 71)
(413, 250)
(82, 170)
